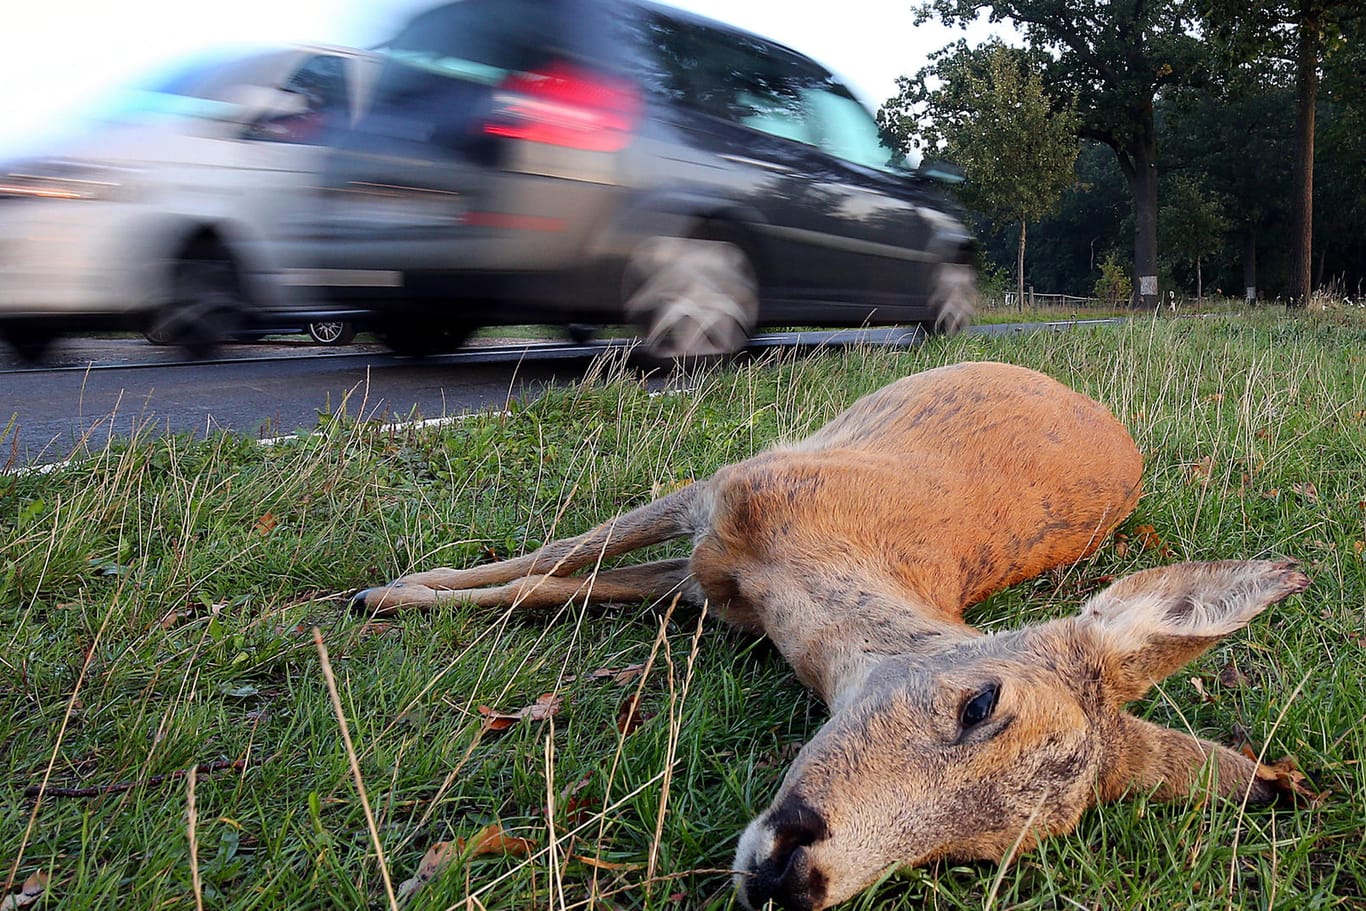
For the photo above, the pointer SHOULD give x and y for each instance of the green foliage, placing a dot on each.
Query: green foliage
(1114, 288)
(158, 606)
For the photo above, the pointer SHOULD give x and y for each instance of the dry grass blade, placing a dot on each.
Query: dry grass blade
(332, 693)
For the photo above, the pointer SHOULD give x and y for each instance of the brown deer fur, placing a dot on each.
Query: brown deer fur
(856, 551)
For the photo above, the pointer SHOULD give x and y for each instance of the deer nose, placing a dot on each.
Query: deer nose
(788, 876)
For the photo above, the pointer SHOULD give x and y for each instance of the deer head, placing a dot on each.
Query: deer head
(974, 747)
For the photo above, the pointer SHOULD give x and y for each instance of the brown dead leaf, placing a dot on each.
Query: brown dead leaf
(493, 840)
(1232, 676)
(1272, 494)
(1149, 539)
(28, 894)
(631, 716)
(377, 627)
(1292, 784)
(547, 705)
(1199, 685)
(1306, 490)
(1215, 397)
(489, 840)
(621, 675)
(437, 858)
(1199, 472)
(266, 524)
(1359, 547)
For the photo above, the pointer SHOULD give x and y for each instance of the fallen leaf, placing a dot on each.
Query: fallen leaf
(437, 858)
(1359, 546)
(1272, 494)
(29, 893)
(631, 716)
(1285, 776)
(493, 840)
(622, 675)
(547, 705)
(1306, 490)
(489, 840)
(1200, 690)
(1232, 676)
(1199, 472)
(377, 627)
(1215, 397)
(1150, 540)
(266, 524)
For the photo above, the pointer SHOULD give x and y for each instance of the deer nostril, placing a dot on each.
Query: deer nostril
(787, 876)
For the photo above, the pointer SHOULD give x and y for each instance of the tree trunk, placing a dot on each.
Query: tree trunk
(1019, 265)
(1309, 36)
(1250, 265)
(1138, 161)
(1199, 282)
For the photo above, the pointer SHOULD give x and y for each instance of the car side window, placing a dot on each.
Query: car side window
(322, 85)
(844, 128)
(724, 74)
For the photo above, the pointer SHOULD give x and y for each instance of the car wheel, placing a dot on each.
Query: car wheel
(418, 339)
(30, 340)
(206, 306)
(952, 298)
(332, 332)
(692, 297)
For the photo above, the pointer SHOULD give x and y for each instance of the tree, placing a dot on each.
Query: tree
(1113, 57)
(991, 116)
(1194, 222)
(1310, 29)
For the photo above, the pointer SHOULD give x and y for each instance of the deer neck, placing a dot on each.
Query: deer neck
(832, 650)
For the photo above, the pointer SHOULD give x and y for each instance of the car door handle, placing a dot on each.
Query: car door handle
(758, 163)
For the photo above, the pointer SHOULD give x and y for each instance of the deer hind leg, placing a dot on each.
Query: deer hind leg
(627, 585)
(661, 520)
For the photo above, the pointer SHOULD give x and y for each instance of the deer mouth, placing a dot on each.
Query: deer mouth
(775, 863)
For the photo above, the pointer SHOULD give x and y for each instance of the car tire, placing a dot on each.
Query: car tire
(418, 339)
(332, 332)
(692, 298)
(206, 306)
(29, 340)
(952, 298)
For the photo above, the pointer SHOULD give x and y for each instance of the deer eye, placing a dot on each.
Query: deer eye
(979, 708)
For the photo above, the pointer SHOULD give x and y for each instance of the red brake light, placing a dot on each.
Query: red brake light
(565, 105)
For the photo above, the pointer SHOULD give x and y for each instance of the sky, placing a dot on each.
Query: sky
(56, 57)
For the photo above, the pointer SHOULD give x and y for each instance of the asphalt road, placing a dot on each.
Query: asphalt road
(91, 389)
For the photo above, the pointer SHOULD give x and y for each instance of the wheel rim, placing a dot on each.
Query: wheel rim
(695, 298)
(329, 332)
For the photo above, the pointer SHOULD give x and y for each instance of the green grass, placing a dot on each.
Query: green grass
(157, 599)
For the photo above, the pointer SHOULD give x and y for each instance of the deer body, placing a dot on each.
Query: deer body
(856, 550)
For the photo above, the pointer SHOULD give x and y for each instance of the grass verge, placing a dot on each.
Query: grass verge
(161, 686)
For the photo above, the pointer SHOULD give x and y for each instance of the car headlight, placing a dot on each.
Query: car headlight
(64, 179)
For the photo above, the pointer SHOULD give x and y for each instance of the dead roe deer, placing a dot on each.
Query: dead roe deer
(856, 551)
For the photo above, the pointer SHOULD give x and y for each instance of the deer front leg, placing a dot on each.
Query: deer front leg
(660, 520)
(627, 585)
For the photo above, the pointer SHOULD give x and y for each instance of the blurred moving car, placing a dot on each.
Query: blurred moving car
(163, 217)
(609, 161)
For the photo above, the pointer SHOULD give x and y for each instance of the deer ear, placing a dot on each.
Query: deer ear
(1152, 623)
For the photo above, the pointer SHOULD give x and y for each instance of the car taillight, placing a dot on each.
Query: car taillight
(565, 105)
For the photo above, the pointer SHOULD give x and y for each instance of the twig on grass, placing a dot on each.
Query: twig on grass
(204, 768)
